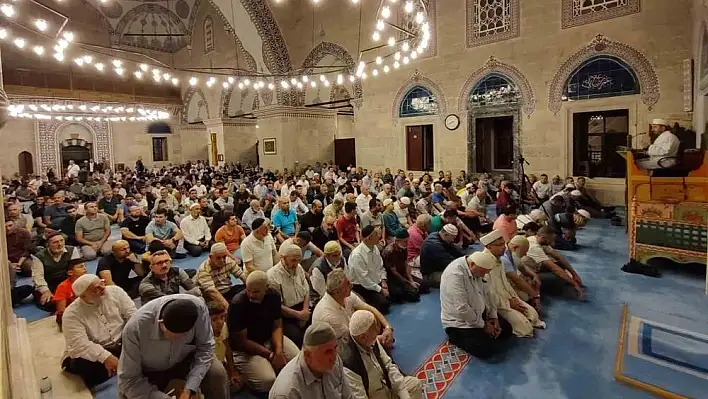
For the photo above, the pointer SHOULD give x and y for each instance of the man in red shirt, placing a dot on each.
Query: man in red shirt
(504, 196)
(417, 234)
(64, 294)
(347, 228)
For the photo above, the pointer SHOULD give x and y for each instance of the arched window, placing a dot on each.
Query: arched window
(208, 35)
(494, 89)
(159, 128)
(418, 101)
(601, 76)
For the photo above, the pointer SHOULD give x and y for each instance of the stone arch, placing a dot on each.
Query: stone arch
(341, 54)
(48, 146)
(528, 98)
(648, 80)
(227, 94)
(419, 80)
(186, 102)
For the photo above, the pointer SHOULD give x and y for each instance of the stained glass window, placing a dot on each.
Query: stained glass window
(602, 76)
(159, 149)
(494, 89)
(418, 101)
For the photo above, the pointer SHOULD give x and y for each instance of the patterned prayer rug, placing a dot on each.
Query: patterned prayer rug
(440, 369)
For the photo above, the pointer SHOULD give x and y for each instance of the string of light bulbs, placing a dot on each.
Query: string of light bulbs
(400, 51)
(75, 111)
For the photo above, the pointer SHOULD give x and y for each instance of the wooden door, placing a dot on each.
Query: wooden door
(483, 133)
(24, 161)
(414, 147)
(344, 152)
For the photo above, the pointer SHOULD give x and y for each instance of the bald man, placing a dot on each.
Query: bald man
(116, 267)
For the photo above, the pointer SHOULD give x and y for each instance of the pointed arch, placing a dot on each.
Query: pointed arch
(187, 100)
(341, 54)
(226, 94)
(640, 64)
(528, 98)
(417, 79)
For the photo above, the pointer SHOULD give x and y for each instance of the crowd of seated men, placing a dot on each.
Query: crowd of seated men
(321, 253)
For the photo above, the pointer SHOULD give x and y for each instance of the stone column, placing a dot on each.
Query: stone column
(241, 140)
(215, 127)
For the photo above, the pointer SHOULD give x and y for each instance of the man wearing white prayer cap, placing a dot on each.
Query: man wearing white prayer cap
(663, 150)
(400, 208)
(437, 251)
(317, 362)
(92, 327)
(370, 372)
(536, 215)
(467, 313)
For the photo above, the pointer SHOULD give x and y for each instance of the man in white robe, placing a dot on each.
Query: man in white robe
(665, 147)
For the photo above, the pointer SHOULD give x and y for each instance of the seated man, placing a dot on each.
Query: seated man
(222, 349)
(258, 249)
(170, 339)
(163, 230)
(92, 329)
(64, 294)
(403, 285)
(164, 279)
(400, 208)
(256, 333)
(369, 370)
(55, 212)
(231, 234)
(469, 318)
(437, 252)
(391, 221)
(312, 219)
(519, 269)
(195, 231)
(50, 269)
(331, 260)
(252, 213)
(521, 316)
(555, 272)
(115, 268)
(325, 233)
(290, 281)
(365, 270)
(284, 220)
(303, 240)
(475, 212)
(665, 146)
(68, 225)
(214, 275)
(348, 229)
(318, 357)
(133, 229)
(339, 303)
(110, 205)
(506, 222)
(18, 241)
(92, 232)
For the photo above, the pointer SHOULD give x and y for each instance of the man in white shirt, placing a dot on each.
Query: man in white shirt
(252, 213)
(556, 273)
(72, 170)
(543, 188)
(92, 327)
(386, 193)
(362, 200)
(366, 271)
(195, 231)
(296, 204)
(304, 184)
(665, 147)
(200, 188)
(258, 250)
(467, 313)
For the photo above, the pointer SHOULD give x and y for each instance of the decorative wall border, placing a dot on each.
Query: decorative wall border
(513, 32)
(188, 99)
(528, 98)
(322, 50)
(418, 80)
(568, 20)
(648, 80)
(48, 149)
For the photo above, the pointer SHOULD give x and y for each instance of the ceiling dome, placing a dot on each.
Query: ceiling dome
(152, 26)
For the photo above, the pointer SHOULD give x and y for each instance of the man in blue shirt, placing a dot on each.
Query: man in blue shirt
(439, 197)
(163, 230)
(170, 338)
(285, 220)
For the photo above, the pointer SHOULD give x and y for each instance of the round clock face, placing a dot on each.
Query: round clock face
(452, 122)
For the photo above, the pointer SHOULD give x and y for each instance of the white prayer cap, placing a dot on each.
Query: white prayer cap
(576, 193)
(82, 283)
(450, 229)
(483, 259)
(218, 247)
(519, 240)
(537, 215)
(584, 213)
(491, 237)
(360, 322)
(570, 185)
(469, 185)
(194, 205)
(660, 121)
(387, 202)
(406, 200)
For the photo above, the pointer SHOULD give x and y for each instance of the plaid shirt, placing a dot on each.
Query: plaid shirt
(208, 277)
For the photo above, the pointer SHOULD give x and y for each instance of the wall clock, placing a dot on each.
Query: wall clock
(452, 122)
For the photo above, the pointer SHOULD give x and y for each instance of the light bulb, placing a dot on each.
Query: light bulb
(139, 74)
(117, 63)
(305, 78)
(419, 17)
(59, 57)
(255, 85)
(246, 82)
(87, 59)
(340, 79)
(293, 81)
(225, 85)
(284, 84)
(144, 67)
(79, 61)
(209, 83)
(376, 36)
(379, 60)
(397, 56)
(261, 84)
(313, 84)
(39, 50)
(406, 60)
(41, 25)
(271, 86)
(62, 43)
(299, 85)
(363, 76)
(380, 24)
(322, 78)
(166, 76)
(240, 86)
(119, 71)
(193, 81)
(405, 46)
(414, 54)
(385, 12)
(352, 78)
(68, 36)
(408, 7)
(386, 69)
(326, 83)
(175, 81)
(391, 41)
(19, 42)
(3, 34)
(375, 72)
(361, 65)
(230, 79)
(396, 64)
(426, 27)
(355, 1)
(8, 10)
